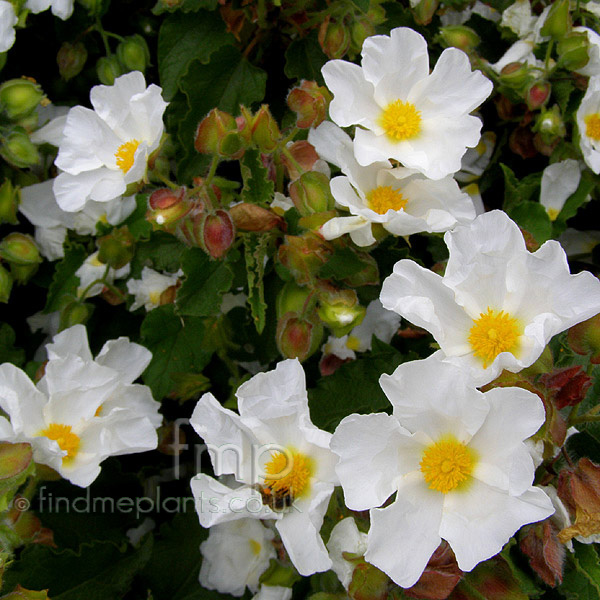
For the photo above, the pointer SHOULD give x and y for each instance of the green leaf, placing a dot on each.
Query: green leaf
(561, 90)
(258, 189)
(8, 352)
(172, 572)
(354, 387)
(184, 38)
(177, 346)
(255, 251)
(163, 251)
(226, 82)
(575, 200)
(362, 5)
(581, 580)
(532, 217)
(137, 223)
(343, 263)
(205, 283)
(99, 571)
(304, 59)
(65, 282)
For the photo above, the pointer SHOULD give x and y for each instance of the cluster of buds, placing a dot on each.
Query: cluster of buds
(21, 254)
(310, 102)
(132, 54)
(19, 99)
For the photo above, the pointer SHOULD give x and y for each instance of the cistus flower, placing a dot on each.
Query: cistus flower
(102, 151)
(83, 409)
(456, 460)
(346, 539)
(401, 200)
(39, 205)
(8, 20)
(148, 290)
(280, 460)
(235, 555)
(91, 270)
(60, 8)
(559, 181)
(588, 122)
(497, 305)
(404, 112)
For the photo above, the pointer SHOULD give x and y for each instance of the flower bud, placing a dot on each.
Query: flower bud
(75, 313)
(265, 131)
(334, 38)
(251, 217)
(108, 68)
(71, 59)
(117, 248)
(218, 134)
(573, 51)
(133, 53)
(310, 102)
(297, 337)
(558, 21)
(21, 274)
(19, 97)
(294, 298)
(584, 338)
(359, 32)
(459, 36)
(304, 255)
(516, 76)
(18, 149)
(166, 207)
(214, 232)
(6, 282)
(310, 193)
(341, 317)
(9, 200)
(304, 154)
(19, 249)
(549, 125)
(423, 12)
(537, 95)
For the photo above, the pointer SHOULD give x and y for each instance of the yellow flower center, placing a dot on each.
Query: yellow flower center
(401, 120)
(446, 464)
(125, 155)
(384, 198)
(64, 437)
(592, 126)
(255, 547)
(492, 333)
(352, 343)
(552, 213)
(290, 473)
(154, 297)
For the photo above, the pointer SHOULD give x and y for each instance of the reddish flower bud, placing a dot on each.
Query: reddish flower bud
(304, 154)
(334, 38)
(537, 95)
(250, 217)
(167, 207)
(584, 338)
(304, 255)
(310, 102)
(310, 193)
(217, 134)
(215, 232)
(298, 337)
(569, 385)
(71, 59)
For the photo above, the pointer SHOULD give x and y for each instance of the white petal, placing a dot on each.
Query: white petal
(559, 181)
(127, 358)
(345, 537)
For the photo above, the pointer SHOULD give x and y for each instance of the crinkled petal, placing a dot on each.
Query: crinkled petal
(125, 357)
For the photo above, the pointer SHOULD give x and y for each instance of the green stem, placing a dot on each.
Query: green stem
(165, 180)
(289, 137)
(212, 170)
(291, 158)
(104, 36)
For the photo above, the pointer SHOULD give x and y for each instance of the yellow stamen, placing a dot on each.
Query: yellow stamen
(384, 198)
(446, 464)
(552, 213)
(352, 343)
(492, 333)
(592, 126)
(291, 472)
(125, 155)
(255, 547)
(64, 437)
(401, 120)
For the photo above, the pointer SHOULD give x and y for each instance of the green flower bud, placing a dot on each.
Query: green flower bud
(75, 313)
(71, 59)
(459, 36)
(359, 32)
(573, 51)
(265, 131)
(550, 125)
(558, 21)
(21, 274)
(424, 11)
(133, 53)
(339, 309)
(20, 249)
(304, 255)
(108, 68)
(516, 76)
(310, 193)
(334, 38)
(6, 282)
(117, 248)
(9, 200)
(294, 298)
(19, 97)
(18, 150)
(218, 134)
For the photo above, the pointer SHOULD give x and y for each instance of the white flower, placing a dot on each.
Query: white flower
(378, 322)
(83, 409)
(281, 460)
(148, 289)
(39, 205)
(498, 305)
(273, 592)
(588, 122)
(559, 181)
(93, 269)
(103, 150)
(401, 200)
(404, 112)
(345, 537)
(458, 17)
(8, 20)
(578, 243)
(281, 204)
(235, 555)
(456, 460)
(476, 160)
(60, 8)
(592, 67)
(518, 18)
